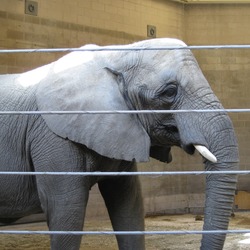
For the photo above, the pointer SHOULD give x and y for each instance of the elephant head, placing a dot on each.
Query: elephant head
(145, 80)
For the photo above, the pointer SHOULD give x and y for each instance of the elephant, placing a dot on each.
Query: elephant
(123, 78)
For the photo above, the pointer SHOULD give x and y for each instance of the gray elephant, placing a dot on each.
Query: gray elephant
(110, 80)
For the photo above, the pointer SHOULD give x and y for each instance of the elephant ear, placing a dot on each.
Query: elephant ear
(87, 87)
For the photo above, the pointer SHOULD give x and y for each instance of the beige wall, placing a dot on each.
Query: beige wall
(217, 23)
(63, 23)
(228, 71)
(73, 23)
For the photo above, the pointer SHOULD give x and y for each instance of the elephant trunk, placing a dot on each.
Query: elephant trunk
(216, 133)
(220, 188)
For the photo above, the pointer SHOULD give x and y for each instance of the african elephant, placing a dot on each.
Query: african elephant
(110, 80)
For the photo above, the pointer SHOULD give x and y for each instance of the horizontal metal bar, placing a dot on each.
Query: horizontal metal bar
(73, 112)
(125, 232)
(241, 172)
(124, 48)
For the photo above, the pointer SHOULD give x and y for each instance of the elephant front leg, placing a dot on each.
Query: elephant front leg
(64, 203)
(123, 199)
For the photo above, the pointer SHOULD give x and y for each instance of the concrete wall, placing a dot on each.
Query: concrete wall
(228, 71)
(61, 23)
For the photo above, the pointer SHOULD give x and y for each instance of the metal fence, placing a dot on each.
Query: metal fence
(159, 173)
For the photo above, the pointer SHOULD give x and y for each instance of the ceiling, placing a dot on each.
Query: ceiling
(211, 1)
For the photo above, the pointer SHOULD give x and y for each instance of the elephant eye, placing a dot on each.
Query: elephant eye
(169, 92)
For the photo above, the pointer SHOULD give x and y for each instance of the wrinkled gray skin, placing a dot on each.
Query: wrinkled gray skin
(120, 80)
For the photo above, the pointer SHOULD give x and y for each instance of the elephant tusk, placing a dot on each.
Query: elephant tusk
(206, 153)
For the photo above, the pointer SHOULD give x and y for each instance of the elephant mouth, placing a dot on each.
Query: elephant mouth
(174, 139)
(204, 151)
(189, 149)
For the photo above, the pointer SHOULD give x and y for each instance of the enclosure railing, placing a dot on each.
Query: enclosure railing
(158, 173)
(123, 48)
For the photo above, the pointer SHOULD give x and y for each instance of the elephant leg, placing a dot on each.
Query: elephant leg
(64, 204)
(64, 197)
(123, 199)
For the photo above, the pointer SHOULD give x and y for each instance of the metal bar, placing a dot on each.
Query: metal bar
(126, 232)
(73, 112)
(124, 48)
(241, 172)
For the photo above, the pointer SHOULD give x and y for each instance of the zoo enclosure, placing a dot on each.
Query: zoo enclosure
(141, 173)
